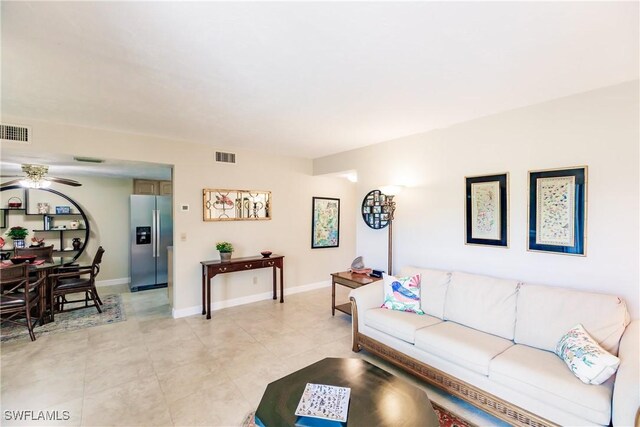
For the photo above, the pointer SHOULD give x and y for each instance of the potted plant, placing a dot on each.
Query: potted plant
(225, 249)
(18, 234)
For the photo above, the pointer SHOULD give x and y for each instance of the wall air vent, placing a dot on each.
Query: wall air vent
(15, 133)
(225, 157)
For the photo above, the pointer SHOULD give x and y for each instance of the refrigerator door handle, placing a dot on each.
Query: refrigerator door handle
(157, 247)
(154, 233)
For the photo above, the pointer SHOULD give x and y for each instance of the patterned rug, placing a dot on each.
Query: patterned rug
(447, 419)
(112, 312)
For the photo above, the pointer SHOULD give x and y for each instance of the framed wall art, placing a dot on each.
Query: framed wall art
(487, 210)
(325, 223)
(558, 211)
(235, 205)
(373, 212)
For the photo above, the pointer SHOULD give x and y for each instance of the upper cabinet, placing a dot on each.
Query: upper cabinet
(166, 188)
(151, 187)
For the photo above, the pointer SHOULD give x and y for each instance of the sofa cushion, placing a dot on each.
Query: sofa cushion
(546, 313)
(483, 303)
(433, 287)
(543, 376)
(587, 360)
(399, 324)
(459, 344)
(402, 293)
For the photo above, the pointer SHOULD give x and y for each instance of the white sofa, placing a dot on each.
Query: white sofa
(491, 342)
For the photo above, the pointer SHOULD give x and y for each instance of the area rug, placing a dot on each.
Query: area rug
(112, 312)
(447, 419)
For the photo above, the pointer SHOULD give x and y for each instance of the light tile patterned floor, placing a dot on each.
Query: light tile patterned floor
(154, 370)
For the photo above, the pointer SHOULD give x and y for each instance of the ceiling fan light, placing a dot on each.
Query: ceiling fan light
(32, 183)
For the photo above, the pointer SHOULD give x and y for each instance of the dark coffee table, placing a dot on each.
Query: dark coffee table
(378, 398)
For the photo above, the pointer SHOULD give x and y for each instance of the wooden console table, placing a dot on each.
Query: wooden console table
(350, 280)
(212, 268)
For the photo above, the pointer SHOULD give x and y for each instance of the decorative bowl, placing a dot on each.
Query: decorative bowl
(14, 203)
(266, 254)
(23, 258)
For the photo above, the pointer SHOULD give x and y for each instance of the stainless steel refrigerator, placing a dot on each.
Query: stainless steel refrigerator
(151, 233)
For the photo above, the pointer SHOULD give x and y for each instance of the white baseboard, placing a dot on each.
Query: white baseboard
(113, 282)
(219, 305)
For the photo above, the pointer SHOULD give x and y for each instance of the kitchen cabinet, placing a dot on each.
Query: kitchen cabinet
(151, 187)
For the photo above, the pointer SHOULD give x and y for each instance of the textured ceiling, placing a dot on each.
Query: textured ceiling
(302, 78)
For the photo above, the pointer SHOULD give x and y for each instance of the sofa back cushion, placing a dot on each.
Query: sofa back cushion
(433, 285)
(546, 313)
(483, 303)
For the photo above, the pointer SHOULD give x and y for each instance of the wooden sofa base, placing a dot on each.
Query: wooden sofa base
(485, 401)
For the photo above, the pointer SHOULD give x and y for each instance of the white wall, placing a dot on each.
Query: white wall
(105, 201)
(289, 232)
(598, 129)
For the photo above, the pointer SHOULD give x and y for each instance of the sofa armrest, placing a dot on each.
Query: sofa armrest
(368, 296)
(626, 396)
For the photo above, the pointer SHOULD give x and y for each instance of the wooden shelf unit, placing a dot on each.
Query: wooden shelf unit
(4, 213)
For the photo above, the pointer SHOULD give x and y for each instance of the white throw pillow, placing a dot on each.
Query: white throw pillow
(402, 293)
(584, 356)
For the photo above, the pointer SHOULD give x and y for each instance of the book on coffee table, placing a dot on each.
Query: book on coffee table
(323, 405)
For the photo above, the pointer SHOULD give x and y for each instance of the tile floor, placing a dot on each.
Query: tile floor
(154, 370)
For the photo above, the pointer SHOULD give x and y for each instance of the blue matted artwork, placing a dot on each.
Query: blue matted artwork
(558, 211)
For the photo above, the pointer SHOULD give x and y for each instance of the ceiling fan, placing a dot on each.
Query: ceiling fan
(36, 178)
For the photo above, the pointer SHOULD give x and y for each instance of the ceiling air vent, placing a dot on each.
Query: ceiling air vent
(225, 157)
(15, 133)
(88, 160)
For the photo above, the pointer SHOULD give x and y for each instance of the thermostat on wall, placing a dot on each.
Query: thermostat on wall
(184, 208)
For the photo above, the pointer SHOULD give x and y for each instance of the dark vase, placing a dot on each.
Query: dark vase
(76, 243)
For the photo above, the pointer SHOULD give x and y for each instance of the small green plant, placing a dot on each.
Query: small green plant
(224, 247)
(17, 232)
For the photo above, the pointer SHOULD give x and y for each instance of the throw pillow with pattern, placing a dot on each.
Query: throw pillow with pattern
(584, 356)
(402, 293)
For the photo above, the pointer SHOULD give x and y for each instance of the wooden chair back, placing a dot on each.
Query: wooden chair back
(95, 265)
(12, 277)
(42, 253)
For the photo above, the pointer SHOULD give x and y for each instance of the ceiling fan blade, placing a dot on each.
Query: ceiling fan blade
(64, 181)
(8, 183)
(10, 176)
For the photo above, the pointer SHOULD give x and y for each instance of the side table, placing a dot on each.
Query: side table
(350, 280)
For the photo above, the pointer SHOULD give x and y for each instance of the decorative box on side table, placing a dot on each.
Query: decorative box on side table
(350, 280)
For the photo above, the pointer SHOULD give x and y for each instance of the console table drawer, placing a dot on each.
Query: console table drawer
(227, 268)
(269, 263)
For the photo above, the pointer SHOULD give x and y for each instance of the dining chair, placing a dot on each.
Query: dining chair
(18, 296)
(76, 279)
(42, 253)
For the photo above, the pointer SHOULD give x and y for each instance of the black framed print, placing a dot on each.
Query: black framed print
(558, 211)
(373, 210)
(487, 210)
(325, 223)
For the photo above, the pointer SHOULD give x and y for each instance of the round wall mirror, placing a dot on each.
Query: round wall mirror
(373, 210)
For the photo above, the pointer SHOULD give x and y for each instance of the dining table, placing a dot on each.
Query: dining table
(43, 268)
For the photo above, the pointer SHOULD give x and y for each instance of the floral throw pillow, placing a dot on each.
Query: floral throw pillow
(584, 356)
(402, 293)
